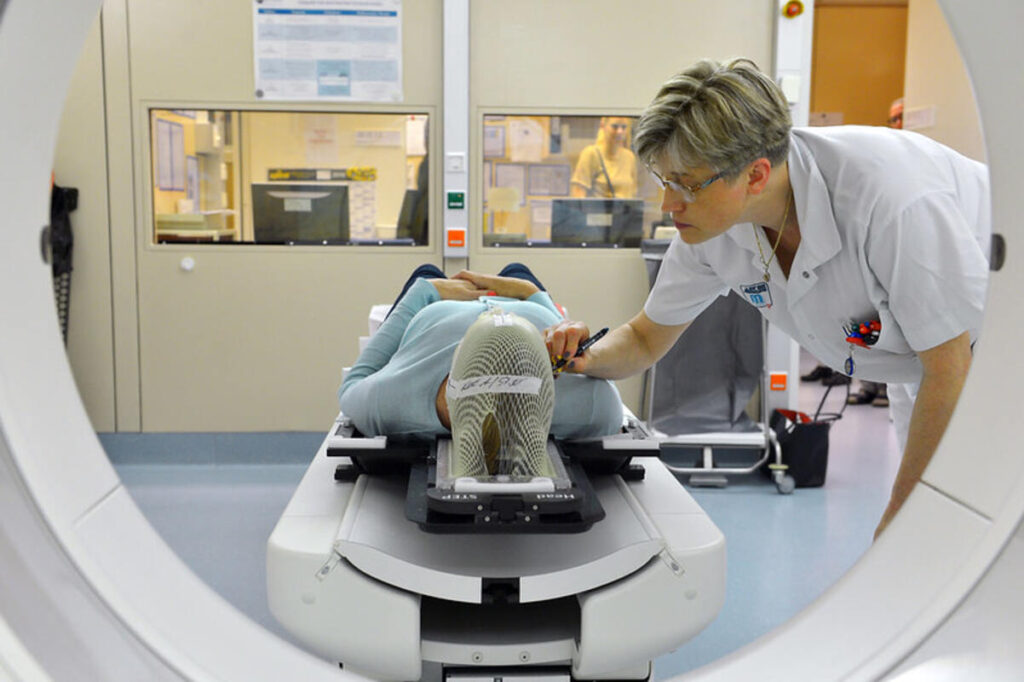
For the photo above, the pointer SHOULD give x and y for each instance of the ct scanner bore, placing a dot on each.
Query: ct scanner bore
(88, 590)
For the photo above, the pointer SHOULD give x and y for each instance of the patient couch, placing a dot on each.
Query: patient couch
(355, 578)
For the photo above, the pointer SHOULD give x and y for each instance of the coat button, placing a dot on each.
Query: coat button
(807, 275)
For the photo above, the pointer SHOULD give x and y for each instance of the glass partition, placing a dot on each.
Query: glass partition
(565, 181)
(294, 178)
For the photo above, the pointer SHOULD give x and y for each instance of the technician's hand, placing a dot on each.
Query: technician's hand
(457, 289)
(562, 341)
(510, 287)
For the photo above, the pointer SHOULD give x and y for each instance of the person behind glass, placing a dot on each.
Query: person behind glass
(398, 385)
(876, 393)
(824, 230)
(896, 114)
(607, 168)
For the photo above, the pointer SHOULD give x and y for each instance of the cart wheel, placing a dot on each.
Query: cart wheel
(785, 484)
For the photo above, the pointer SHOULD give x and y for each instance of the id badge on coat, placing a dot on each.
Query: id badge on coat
(758, 294)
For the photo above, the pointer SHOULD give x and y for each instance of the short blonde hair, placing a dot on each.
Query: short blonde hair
(720, 115)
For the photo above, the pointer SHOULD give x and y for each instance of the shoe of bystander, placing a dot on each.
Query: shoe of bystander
(818, 373)
(836, 379)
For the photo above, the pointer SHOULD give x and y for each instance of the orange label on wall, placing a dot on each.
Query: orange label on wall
(456, 237)
(777, 381)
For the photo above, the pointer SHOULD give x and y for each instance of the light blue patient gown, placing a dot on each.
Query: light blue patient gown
(392, 388)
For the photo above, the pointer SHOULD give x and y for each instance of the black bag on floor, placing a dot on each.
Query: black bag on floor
(804, 444)
(804, 441)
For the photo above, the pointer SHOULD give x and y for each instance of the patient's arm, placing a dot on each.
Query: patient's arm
(385, 342)
(458, 289)
(512, 287)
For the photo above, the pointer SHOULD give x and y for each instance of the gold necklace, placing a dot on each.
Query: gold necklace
(778, 239)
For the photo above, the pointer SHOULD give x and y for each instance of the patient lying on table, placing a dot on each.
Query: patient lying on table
(405, 382)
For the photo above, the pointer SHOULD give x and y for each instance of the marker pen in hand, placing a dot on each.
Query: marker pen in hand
(559, 366)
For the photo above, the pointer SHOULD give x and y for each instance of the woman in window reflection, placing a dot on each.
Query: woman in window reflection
(607, 168)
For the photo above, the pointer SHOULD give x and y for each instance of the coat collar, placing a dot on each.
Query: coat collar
(819, 234)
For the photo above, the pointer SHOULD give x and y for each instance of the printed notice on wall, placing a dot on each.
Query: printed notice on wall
(340, 50)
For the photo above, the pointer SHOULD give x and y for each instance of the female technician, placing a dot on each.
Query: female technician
(866, 245)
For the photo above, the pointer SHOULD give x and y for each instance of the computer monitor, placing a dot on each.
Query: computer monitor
(598, 222)
(412, 218)
(288, 213)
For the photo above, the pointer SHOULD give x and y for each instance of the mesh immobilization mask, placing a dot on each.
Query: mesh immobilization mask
(501, 396)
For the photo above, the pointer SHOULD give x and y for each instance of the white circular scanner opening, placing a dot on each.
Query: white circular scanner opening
(89, 591)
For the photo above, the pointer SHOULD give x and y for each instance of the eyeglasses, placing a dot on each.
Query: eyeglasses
(687, 192)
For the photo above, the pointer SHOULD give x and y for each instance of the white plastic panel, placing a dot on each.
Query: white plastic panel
(979, 460)
(650, 614)
(672, 599)
(381, 632)
(378, 539)
(981, 640)
(16, 663)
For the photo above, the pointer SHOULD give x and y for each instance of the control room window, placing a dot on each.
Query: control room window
(295, 178)
(565, 181)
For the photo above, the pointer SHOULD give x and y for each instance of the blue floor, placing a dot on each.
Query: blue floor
(216, 497)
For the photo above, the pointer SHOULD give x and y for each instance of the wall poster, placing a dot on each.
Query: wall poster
(338, 50)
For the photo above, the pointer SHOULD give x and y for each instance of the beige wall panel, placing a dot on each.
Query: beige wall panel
(254, 340)
(858, 61)
(936, 77)
(603, 288)
(199, 51)
(81, 161)
(603, 53)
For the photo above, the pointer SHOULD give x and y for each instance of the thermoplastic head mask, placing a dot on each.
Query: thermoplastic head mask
(501, 396)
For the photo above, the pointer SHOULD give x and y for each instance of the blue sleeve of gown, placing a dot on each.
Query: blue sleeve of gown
(356, 395)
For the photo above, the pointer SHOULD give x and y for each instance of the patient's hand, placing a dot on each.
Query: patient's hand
(510, 287)
(457, 289)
